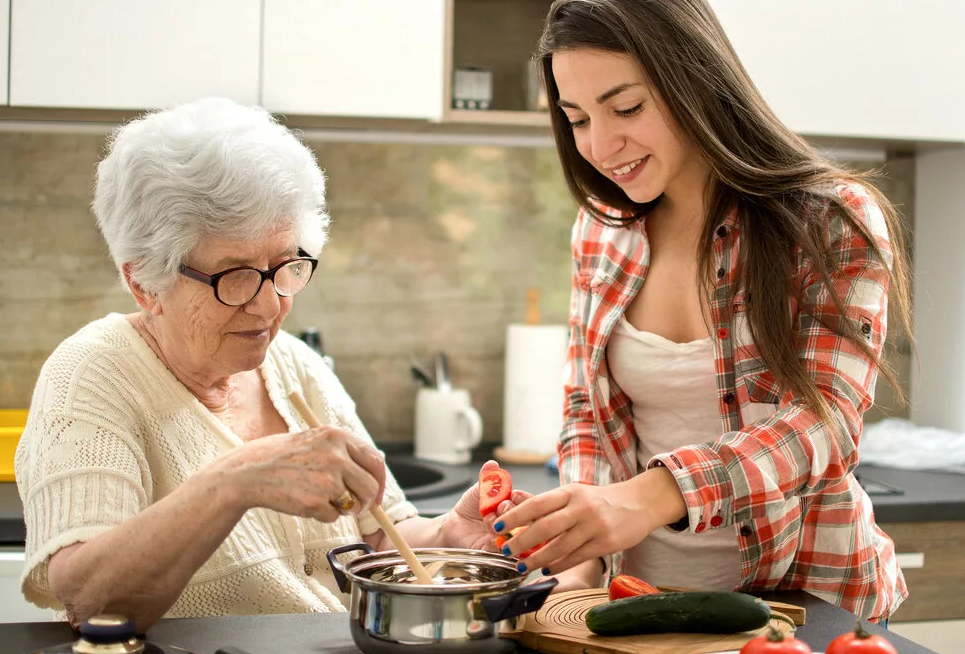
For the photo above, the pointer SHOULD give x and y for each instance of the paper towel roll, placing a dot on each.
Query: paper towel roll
(533, 400)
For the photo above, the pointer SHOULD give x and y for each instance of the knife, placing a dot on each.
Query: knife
(442, 373)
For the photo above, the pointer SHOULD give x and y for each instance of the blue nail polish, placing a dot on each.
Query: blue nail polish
(506, 550)
(499, 526)
(521, 567)
(546, 572)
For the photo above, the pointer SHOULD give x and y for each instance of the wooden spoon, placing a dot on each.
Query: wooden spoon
(384, 521)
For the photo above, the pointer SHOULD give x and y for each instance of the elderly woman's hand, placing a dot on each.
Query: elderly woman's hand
(465, 527)
(304, 473)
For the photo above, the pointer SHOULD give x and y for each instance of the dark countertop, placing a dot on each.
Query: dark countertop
(329, 633)
(926, 496)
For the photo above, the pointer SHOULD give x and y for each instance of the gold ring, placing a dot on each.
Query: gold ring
(345, 502)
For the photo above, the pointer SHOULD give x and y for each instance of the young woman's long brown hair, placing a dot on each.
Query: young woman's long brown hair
(770, 176)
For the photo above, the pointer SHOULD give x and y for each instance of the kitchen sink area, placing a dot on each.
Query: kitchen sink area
(426, 479)
(875, 488)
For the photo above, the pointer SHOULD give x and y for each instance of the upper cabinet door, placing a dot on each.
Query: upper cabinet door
(4, 48)
(874, 68)
(372, 58)
(132, 54)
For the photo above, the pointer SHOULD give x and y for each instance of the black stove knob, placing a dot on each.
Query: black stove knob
(108, 633)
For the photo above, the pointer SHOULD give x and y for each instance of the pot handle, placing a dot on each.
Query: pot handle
(338, 570)
(525, 599)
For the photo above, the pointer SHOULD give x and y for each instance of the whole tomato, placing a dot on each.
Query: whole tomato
(775, 642)
(860, 641)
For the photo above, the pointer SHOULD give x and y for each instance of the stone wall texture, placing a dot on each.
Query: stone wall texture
(432, 248)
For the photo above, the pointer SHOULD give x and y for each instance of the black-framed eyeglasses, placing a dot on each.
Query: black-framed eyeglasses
(237, 286)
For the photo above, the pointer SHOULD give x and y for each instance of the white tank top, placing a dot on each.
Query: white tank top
(674, 393)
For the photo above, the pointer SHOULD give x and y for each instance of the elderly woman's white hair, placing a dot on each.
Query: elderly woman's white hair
(208, 167)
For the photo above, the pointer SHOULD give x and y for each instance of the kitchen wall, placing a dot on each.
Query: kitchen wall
(432, 247)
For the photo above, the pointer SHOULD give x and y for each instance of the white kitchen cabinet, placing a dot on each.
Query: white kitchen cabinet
(13, 607)
(4, 48)
(866, 68)
(368, 58)
(132, 54)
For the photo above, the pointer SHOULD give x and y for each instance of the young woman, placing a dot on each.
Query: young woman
(729, 308)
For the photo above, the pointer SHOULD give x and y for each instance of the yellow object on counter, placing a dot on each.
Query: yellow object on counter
(12, 422)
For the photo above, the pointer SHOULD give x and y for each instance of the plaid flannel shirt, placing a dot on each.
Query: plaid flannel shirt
(776, 471)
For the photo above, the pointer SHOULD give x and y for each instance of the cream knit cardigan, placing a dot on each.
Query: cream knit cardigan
(111, 430)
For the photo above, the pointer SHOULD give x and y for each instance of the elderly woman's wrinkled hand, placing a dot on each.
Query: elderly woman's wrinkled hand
(305, 473)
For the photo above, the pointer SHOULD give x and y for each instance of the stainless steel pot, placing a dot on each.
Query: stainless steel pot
(390, 614)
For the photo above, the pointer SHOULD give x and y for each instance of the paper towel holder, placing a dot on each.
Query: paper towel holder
(532, 306)
(513, 453)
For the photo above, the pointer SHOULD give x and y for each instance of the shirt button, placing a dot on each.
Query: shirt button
(699, 528)
(721, 272)
(866, 328)
(729, 398)
(309, 569)
(746, 531)
(722, 231)
(716, 521)
(723, 333)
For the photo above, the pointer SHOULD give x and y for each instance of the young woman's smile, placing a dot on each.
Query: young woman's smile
(621, 126)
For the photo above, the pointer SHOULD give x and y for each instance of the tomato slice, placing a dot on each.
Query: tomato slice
(495, 486)
(628, 586)
(503, 539)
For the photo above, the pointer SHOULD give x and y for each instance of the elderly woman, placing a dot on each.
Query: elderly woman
(164, 470)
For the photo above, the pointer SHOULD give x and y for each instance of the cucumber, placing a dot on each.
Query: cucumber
(702, 612)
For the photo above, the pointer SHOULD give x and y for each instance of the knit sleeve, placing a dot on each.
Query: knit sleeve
(78, 469)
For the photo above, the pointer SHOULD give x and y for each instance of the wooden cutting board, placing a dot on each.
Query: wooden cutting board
(560, 628)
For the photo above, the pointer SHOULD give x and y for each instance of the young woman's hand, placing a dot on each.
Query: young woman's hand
(465, 527)
(581, 522)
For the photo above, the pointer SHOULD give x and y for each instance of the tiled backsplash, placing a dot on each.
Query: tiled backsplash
(432, 247)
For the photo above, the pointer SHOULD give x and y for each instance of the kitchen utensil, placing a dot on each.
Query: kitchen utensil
(462, 615)
(559, 627)
(447, 426)
(442, 373)
(421, 375)
(384, 521)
